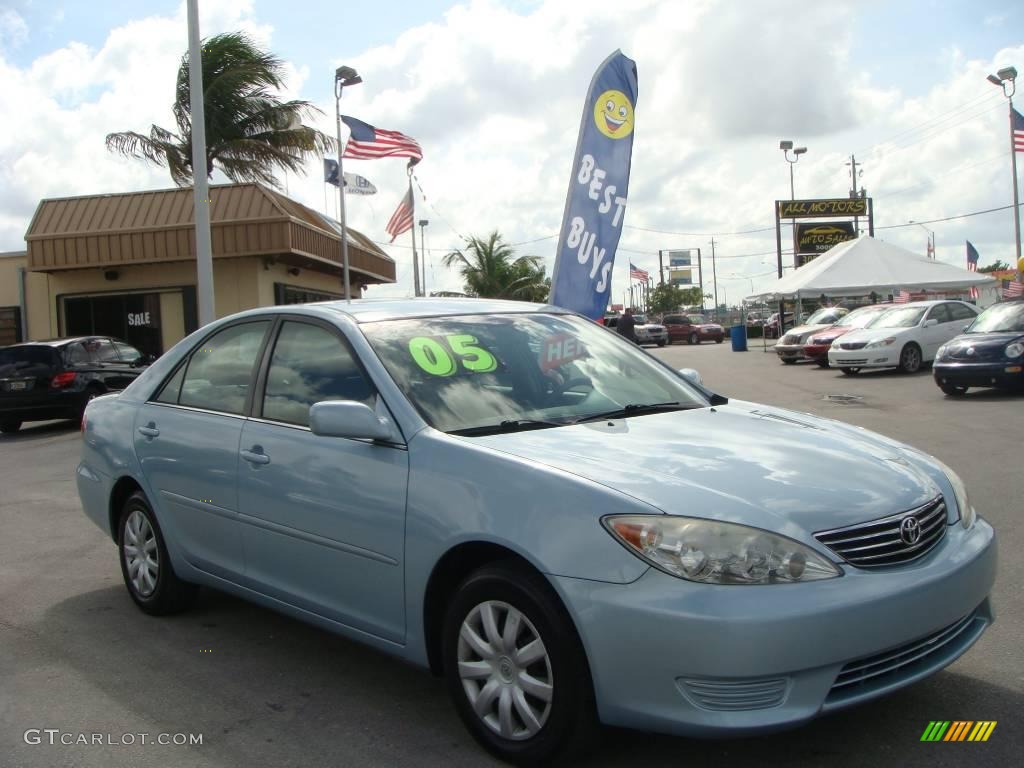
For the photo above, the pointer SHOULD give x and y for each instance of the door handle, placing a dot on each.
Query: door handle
(149, 431)
(255, 457)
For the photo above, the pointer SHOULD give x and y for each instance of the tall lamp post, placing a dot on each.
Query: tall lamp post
(423, 262)
(343, 76)
(786, 146)
(1006, 78)
(200, 179)
(931, 237)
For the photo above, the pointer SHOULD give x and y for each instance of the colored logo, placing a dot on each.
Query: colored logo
(958, 730)
(910, 530)
(613, 115)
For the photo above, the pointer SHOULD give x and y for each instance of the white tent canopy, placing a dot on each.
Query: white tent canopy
(865, 265)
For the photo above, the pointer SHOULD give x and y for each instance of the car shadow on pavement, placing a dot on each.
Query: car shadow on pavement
(41, 430)
(268, 690)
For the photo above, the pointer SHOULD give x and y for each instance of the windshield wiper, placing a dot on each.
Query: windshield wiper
(508, 425)
(636, 409)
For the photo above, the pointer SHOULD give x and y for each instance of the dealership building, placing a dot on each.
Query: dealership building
(124, 264)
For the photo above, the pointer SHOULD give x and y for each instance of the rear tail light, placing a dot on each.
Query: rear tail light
(62, 380)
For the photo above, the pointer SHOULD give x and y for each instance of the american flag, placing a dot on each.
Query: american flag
(1012, 289)
(901, 297)
(401, 219)
(1017, 126)
(635, 273)
(972, 266)
(368, 143)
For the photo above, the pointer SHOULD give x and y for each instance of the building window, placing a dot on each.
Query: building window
(10, 325)
(290, 294)
(133, 317)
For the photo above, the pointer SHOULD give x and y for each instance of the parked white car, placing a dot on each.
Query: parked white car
(905, 337)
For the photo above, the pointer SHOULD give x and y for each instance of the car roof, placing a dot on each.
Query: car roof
(57, 342)
(371, 310)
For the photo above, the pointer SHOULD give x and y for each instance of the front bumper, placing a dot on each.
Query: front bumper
(880, 357)
(816, 351)
(1004, 374)
(789, 351)
(660, 648)
(652, 338)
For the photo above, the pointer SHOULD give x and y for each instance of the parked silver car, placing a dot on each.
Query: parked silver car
(518, 499)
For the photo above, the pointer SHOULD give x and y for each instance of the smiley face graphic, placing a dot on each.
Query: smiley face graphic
(613, 115)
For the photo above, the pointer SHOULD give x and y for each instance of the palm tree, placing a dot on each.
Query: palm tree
(491, 270)
(250, 132)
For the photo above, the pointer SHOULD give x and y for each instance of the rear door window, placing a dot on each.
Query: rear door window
(220, 371)
(940, 312)
(961, 312)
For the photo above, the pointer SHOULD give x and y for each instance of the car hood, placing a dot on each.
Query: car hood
(746, 463)
(871, 334)
(802, 331)
(984, 345)
(832, 332)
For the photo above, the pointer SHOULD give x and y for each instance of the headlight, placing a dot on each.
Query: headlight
(713, 552)
(963, 503)
(880, 343)
(1014, 350)
(941, 351)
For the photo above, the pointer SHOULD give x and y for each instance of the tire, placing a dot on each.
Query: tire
(953, 390)
(822, 363)
(719, 341)
(662, 343)
(910, 359)
(552, 717)
(158, 595)
(850, 371)
(693, 339)
(90, 394)
(10, 427)
(788, 360)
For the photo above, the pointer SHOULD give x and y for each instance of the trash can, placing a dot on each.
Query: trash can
(738, 336)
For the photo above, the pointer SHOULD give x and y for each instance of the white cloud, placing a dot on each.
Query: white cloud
(494, 96)
(13, 29)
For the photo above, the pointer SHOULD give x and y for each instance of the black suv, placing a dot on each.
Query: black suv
(55, 379)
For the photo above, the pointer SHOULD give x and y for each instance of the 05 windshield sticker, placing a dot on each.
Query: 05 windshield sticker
(557, 350)
(462, 350)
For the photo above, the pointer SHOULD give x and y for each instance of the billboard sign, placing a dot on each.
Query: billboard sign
(680, 276)
(808, 209)
(818, 237)
(680, 258)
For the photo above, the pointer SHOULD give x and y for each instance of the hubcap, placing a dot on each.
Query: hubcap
(505, 670)
(910, 359)
(141, 556)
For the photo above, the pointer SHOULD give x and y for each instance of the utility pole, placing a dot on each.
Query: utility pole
(661, 268)
(714, 276)
(200, 178)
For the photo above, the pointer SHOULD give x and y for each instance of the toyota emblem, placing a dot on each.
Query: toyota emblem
(910, 530)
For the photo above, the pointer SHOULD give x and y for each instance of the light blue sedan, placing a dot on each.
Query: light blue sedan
(566, 529)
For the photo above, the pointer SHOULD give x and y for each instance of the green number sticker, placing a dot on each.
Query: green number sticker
(431, 356)
(474, 358)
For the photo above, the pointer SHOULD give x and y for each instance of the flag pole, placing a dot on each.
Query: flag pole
(412, 231)
(1016, 194)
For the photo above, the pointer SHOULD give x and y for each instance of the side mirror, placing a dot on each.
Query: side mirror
(930, 322)
(347, 418)
(692, 376)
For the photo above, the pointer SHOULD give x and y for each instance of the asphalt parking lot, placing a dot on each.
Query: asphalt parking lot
(76, 655)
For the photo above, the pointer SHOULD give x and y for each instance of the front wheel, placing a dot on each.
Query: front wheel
(850, 371)
(953, 390)
(822, 363)
(788, 360)
(662, 343)
(693, 339)
(719, 341)
(145, 565)
(10, 427)
(516, 669)
(910, 359)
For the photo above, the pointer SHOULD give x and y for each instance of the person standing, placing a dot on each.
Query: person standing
(626, 324)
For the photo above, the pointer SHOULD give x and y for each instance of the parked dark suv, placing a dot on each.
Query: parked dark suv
(55, 379)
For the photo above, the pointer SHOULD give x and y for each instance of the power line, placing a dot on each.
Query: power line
(699, 234)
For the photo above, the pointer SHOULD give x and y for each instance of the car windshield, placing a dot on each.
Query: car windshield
(904, 317)
(697, 319)
(510, 370)
(859, 318)
(825, 316)
(640, 319)
(1001, 317)
(20, 360)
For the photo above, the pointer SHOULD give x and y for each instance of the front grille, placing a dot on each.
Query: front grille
(735, 695)
(852, 344)
(903, 662)
(881, 542)
(980, 354)
(852, 363)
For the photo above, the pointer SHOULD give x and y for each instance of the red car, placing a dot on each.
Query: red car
(817, 344)
(693, 329)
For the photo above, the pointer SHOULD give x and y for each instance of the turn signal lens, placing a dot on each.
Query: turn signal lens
(62, 380)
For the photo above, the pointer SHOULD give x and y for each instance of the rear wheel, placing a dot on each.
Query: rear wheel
(516, 669)
(145, 565)
(10, 427)
(910, 359)
(850, 371)
(953, 390)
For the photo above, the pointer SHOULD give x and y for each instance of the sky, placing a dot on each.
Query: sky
(493, 91)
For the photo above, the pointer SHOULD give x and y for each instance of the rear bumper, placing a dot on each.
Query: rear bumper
(37, 406)
(698, 660)
(1005, 375)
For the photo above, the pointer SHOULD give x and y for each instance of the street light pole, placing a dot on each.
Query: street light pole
(931, 237)
(343, 76)
(200, 180)
(786, 145)
(1006, 79)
